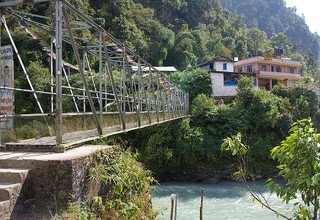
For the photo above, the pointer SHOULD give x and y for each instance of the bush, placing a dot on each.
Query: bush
(125, 187)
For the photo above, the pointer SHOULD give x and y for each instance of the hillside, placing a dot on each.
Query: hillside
(184, 33)
(273, 16)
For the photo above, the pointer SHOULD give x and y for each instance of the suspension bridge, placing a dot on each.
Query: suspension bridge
(96, 85)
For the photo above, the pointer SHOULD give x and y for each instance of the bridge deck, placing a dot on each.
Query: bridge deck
(78, 138)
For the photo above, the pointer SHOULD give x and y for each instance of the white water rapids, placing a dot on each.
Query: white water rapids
(225, 200)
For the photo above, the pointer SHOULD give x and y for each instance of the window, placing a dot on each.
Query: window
(225, 66)
(230, 79)
(278, 69)
(211, 66)
(272, 68)
(291, 70)
(240, 69)
(263, 67)
(249, 69)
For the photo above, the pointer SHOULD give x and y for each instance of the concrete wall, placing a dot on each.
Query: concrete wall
(218, 88)
(219, 66)
(53, 181)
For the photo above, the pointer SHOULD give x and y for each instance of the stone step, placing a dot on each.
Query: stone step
(9, 191)
(13, 175)
(5, 209)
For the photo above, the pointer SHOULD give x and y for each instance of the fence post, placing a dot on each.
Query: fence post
(201, 206)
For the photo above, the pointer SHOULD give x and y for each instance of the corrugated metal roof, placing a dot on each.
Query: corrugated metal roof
(159, 68)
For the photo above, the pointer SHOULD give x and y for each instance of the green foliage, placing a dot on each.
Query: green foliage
(280, 40)
(194, 82)
(277, 20)
(201, 105)
(262, 117)
(235, 146)
(128, 184)
(182, 33)
(124, 189)
(33, 129)
(26, 132)
(257, 42)
(299, 165)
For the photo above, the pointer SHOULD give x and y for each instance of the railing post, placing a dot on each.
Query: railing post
(100, 78)
(59, 110)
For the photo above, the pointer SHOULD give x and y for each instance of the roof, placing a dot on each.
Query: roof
(283, 61)
(224, 59)
(158, 68)
(166, 68)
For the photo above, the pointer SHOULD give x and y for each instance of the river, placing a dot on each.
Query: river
(225, 200)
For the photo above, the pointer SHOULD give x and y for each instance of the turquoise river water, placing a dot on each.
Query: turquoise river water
(225, 200)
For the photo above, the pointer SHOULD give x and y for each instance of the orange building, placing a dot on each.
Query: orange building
(269, 71)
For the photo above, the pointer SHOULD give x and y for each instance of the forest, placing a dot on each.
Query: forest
(181, 33)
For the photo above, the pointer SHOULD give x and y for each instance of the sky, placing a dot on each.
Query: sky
(311, 11)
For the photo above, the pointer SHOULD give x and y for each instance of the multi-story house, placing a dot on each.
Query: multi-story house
(269, 71)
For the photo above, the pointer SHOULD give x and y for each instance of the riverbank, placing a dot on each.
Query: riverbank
(221, 172)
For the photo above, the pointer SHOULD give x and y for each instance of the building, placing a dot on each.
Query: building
(219, 68)
(265, 72)
(222, 64)
(269, 71)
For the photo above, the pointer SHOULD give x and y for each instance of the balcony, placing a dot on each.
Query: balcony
(278, 75)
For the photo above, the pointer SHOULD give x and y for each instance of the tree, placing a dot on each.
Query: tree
(281, 41)
(299, 165)
(195, 82)
(256, 41)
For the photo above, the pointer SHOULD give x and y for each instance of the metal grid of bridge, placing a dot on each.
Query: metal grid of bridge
(118, 90)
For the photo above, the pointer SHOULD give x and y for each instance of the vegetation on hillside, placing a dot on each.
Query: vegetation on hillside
(194, 143)
(274, 17)
(168, 32)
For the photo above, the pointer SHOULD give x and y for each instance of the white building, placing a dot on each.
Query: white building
(223, 81)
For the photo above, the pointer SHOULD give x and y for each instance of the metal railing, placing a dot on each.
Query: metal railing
(113, 80)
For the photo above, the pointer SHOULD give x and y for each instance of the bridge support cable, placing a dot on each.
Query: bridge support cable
(3, 20)
(77, 55)
(70, 89)
(86, 61)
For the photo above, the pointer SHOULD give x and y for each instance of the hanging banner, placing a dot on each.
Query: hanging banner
(6, 96)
